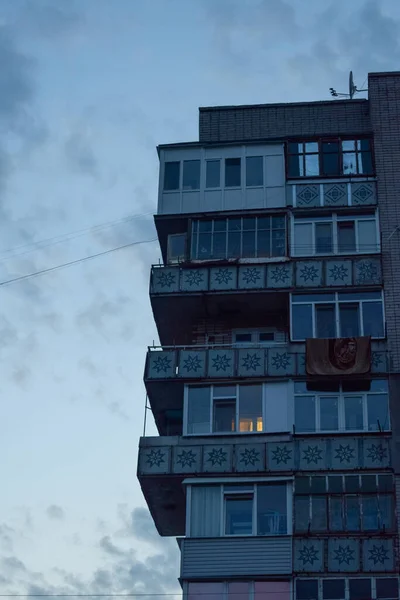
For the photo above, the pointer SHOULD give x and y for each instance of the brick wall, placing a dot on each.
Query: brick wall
(271, 121)
(384, 99)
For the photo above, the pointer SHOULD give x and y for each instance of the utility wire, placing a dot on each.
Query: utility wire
(74, 262)
(138, 595)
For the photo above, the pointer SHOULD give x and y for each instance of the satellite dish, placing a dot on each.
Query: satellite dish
(352, 87)
(353, 90)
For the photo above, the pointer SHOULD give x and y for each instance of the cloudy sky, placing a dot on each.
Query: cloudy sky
(88, 88)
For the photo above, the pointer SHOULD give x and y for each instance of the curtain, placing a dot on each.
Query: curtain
(205, 511)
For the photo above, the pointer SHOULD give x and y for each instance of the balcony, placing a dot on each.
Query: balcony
(331, 193)
(164, 462)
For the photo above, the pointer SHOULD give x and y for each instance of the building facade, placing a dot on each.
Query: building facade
(276, 385)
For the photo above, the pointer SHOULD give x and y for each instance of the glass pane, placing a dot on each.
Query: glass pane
(325, 320)
(307, 589)
(249, 224)
(234, 250)
(335, 484)
(370, 513)
(268, 590)
(302, 485)
(224, 416)
(249, 244)
(205, 226)
(254, 171)
(386, 511)
(250, 408)
(385, 483)
(224, 391)
(220, 225)
(242, 338)
(348, 145)
(203, 591)
(263, 243)
(266, 336)
(349, 320)
(367, 236)
(278, 242)
(352, 512)
(213, 168)
(378, 412)
(352, 483)
(271, 509)
(176, 247)
(318, 513)
(387, 588)
(368, 483)
(302, 244)
(301, 513)
(191, 174)
(365, 163)
(346, 236)
(302, 321)
(335, 514)
(322, 297)
(329, 417)
(198, 409)
(304, 418)
(204, 249)
(238, 590)
(333, 589)
(235, 224)
(295, 148)
(219, 245)
(318, 484)
(323, 238)
(353, 409)
(330, 158)
(171, 176)
(360, 589)
(312, 165)
(232, 172)
(349, 163)
(311, 147)
(373, 319)
(277, 222)
(379, 385)
(360, 296)
(238, 515)
(295, 166)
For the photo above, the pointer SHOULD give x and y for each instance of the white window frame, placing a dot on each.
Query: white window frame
(259, 186)
(170, 260)
(341, 395)
(221, 173)
(334, 299)
(237, 408)
(333, 220)
(241, 482)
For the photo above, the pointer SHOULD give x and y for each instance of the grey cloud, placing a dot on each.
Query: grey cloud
(80, 154)
(55, 512)
(21, 375)
(6, 537)
(13, 563)
(50, 18)
(108, 547)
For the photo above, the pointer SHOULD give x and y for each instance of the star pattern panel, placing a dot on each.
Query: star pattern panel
(367, 271)
(217, 458)
(281, 362)
(249, 457)
(309, 273)
(338, 272)
(194, 280)
(192, 363)
(186, 459)
(251, 362)
(344, 453)
(308, 555)
(164, 280)
(251, 277)
(223, 278)
(162, 364)
(155, 460)
(221, 363)
(280, 275)
(343, 555)
(378, 555)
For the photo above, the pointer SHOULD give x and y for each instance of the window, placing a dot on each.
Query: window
(355, 511)
(213, 168)
(335, 235)
(319, 411)
(254, 171)
(329, 158)
(191, 175)
(176, 248)
(347, 314)
(239, 590)
(234, 408)
(258, 337)
(236, 237)
(351, 588)
(171, 176)
(232, 172)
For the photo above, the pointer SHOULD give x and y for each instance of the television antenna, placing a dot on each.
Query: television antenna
(352, 89)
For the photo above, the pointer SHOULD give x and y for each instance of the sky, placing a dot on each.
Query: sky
(88, 88)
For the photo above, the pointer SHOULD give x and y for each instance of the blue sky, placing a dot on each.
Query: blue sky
(88, 88)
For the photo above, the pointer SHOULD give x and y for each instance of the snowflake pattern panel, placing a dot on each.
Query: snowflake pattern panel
(161, 365)
(367, 272)
(344, 453)
(192, 363)
(379, 362)
(378, 554)
(376, 453)
(217, 459)
(308, 555)
(280, 362)
(186, 459)
(221, 363)
(164, 280)
(280, 456)
(194, 280)
(308, 274)
(154, 459)
(312, 454)
(249, 458)
(343, 555)
(251, 277)
(223, 278)
(280, 275)
(338, 272)
(251, 362)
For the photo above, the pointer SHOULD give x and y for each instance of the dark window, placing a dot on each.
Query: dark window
(302, 513)
(385, 483)
(171, 175)
(307, 589)
(368, 483)
(387, 588)
(333, 589)
(325, 320)
(213, 168)
(335, 483)
(242, 337)
(335, 514)
(318, 485)
(352, 484)
(224, 415)
(302, 485)
(232, 172)
(330, 158)
(191, 174)
(323, 238)
(266, 336)
(359, 589)
(304, 413)
(254, 171)
(319, 513)
(349, 320)
(239, 514)
(346, 236)
(352, 510)
(271, 509)
(176, 247)
(373, 319)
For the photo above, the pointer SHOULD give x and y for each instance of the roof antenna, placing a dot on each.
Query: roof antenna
(352, 89)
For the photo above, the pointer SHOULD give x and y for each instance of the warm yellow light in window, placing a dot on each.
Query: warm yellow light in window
(259, 424)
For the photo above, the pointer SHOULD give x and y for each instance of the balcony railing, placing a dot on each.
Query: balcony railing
(202, 362)
(333, 272)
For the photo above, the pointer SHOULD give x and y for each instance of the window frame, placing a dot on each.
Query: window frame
(341, 395)
(195, 237)
(346, 579)
(255, 337)
(334, 219)
(329, 139)
(337, 301)
(181, 258)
